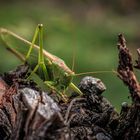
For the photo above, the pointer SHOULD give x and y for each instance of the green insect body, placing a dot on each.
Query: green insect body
(51, 69)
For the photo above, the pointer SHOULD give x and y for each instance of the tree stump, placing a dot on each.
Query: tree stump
(28, 113)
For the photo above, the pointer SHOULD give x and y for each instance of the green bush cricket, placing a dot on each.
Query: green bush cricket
(54, 72)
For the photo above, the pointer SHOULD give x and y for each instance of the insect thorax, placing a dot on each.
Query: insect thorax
(61, 77)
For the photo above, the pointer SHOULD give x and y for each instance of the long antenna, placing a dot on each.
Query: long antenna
(74, 48)
(96, 72)
(16, 53)
(73, 60)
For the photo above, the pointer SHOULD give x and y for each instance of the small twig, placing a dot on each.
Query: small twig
(125, 68)
(70, 107)
(138, 61)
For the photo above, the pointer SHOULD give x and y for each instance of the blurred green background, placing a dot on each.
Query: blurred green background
(87, 29)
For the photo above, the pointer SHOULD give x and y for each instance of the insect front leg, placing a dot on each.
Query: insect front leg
(61, 94)
(75, 88)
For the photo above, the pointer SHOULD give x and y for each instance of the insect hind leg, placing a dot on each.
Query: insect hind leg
(41, 63)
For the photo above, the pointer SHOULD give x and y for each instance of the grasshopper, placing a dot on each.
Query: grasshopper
(61, 75)
(54, 72)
